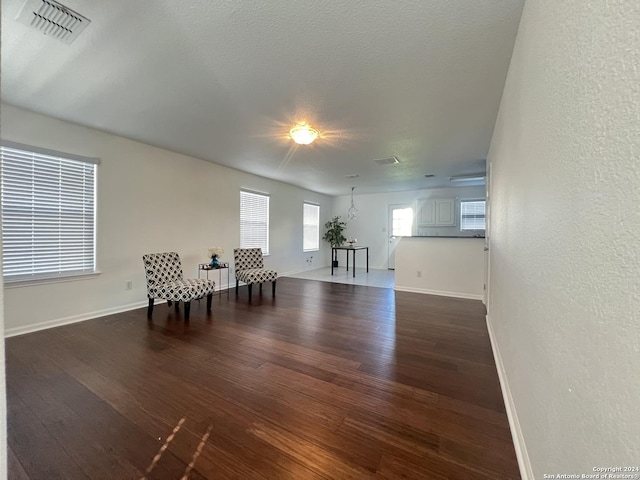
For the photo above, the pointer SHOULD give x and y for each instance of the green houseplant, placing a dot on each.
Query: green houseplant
(334, 234)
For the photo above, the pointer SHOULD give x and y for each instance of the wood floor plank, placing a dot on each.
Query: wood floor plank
(14, 467)
(309, 453)
(426, 466)
(324, 381)
(39, 453)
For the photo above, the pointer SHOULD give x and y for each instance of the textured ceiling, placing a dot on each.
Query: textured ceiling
(225, 81)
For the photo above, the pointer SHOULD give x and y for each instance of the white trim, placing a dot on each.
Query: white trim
(12, 332)
(295, 272)
(49, 152)
(30, 282)
(469, 296)
(256, 192)
(526, 471)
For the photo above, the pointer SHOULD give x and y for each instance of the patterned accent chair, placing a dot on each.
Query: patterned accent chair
(165, 280)
(250, 269)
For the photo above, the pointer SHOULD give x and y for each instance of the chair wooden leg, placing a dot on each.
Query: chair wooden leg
(260, 289)
(237, 283)
(169, 302)
(250, 286)
(209, 299)
(177, 304)
(150, 309)
(187, 310)
(273, 288)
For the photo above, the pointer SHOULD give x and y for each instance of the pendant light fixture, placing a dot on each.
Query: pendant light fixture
(352, 213)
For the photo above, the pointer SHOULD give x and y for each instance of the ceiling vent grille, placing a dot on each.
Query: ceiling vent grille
(53, 19)
(387, 161)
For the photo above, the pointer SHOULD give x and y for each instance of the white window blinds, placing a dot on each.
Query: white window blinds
(254, 221)
(311, 227)
(472, 215)
(48, 202)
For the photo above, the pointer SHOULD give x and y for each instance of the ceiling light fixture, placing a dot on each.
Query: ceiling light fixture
(352, 213)
(477, 179)
(387, 161)
(303, 134)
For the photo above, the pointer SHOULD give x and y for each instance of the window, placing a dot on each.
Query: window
(472, 215)
(402, 221)
(254, 221)
(48, 202)
(311, 227)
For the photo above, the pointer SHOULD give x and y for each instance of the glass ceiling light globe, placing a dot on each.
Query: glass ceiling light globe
(352, 213)
(303, 134)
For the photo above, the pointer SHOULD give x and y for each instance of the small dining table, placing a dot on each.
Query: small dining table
(334, 256)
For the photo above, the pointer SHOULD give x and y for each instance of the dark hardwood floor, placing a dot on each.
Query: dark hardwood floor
(325, 381)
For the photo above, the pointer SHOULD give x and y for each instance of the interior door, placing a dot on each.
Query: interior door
(400, 222)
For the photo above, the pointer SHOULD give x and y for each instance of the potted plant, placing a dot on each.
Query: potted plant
(334, 234)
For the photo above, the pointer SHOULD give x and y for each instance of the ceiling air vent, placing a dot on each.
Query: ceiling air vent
(53, 19)
(387, 161)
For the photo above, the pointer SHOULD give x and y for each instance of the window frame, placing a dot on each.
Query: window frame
(264, 246)
(470, 200)
(15, 159)
(317, 226)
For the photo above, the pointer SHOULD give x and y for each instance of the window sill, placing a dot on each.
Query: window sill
(30, 282)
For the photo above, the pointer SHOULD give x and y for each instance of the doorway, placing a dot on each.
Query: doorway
(400, 225)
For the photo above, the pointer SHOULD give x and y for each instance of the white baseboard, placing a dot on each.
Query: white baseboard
(469, 296)
(15, 331)
(12, 332)
(303, 270)
(295, 272)
(526, 472)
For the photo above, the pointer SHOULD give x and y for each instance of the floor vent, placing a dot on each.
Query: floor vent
(387, 161)
(53, 19)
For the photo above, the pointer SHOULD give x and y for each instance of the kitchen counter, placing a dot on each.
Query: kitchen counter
(441, 266)
(444, 236)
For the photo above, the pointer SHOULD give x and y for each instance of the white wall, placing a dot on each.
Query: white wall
(150, 200)
(452, 267)
(564, 306)
(3, 390)
(370, 228)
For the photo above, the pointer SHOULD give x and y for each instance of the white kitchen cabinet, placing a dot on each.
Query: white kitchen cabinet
(436, 212)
